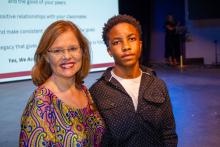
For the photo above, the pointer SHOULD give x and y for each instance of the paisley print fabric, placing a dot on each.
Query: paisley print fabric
(47, 121)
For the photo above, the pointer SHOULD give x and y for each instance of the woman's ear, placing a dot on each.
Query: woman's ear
(46, 58)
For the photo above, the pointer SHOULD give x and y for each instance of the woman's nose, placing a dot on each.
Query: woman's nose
(66, 54)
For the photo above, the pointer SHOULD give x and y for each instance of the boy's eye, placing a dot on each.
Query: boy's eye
(116, 42)
(132, 39)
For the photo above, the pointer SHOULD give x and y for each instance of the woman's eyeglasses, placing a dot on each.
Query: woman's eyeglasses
(61, 51)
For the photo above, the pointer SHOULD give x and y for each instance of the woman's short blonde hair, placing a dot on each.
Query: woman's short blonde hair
(41, 70)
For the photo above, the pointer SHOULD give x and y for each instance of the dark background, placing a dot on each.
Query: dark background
(148, 12)
(204, 9)
(152, 13)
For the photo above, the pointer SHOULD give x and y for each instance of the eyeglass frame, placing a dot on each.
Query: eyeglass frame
(60, 51)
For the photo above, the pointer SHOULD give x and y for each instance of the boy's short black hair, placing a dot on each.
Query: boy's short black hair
(116, 20)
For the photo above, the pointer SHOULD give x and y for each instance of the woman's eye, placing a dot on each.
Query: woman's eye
(73, 48)
(57, 50)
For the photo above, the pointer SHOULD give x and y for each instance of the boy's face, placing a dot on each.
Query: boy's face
(124, 45)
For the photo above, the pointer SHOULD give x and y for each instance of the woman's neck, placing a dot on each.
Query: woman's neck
(61, 84)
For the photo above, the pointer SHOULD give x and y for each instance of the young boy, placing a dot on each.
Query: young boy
(133, 102)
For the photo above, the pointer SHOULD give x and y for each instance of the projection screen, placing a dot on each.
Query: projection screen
(22, 23)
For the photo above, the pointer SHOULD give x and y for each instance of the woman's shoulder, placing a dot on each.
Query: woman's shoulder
(37, 100)
(87, 92)
(84, 87)
(42, 93)
(40, 96)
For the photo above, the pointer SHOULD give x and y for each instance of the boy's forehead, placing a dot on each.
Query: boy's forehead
(123, 28)
(123, 23)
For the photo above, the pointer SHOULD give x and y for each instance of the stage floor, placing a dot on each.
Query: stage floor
(194, 92)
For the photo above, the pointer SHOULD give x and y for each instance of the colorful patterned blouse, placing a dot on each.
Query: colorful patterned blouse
(47, 121)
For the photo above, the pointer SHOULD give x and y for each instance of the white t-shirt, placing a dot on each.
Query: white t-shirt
(131, 86)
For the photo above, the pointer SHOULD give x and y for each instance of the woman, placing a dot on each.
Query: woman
(60, 112)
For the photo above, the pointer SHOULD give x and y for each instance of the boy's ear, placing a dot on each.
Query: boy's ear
(109, 52)
(141, 45)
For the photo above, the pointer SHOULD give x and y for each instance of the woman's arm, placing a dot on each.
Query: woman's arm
(37, 123)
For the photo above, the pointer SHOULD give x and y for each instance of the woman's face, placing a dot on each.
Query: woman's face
(65, 55)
